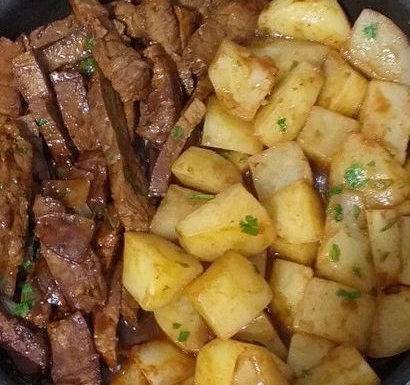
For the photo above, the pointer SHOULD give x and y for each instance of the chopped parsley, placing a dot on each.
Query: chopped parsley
(88, 65)
(355, 176)
(335, 190)
(26, 292)
(205, 197)
(89, 43)
(41, 122)
(282, 125)
(250, 225)
(389, 224)
(176, 325)
(356, 211)
(295, 63)
(370, 31)
(177, 132)
(357, 271)
(26, 265)
(334, 253)
(350, 295)
(21, 309)
(336, 211)
(183, 336)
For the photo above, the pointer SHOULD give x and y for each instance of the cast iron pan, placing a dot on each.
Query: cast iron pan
(18, 16)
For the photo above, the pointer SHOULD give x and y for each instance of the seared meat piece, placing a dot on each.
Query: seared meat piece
(187, 21)
(44, 205)
(235, 20)
(132, 16)
(106, 321)
(129, 309)
(163, 106)
(15, 189)
(128, 184)
(174, 145)
(69, 50)
(72, 100)
(10, 103)
(74, 360)
(23, 343)
(122, 65)
(201, 6)
(50, 33)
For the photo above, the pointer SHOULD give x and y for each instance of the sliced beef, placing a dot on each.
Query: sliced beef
(10, 103)
(131, 116)
(129, 309)
(201, 6)
(106, 321)
(187, 22)
(15, 188)
(127, 182)
(69, 50)
(132, 16)
(23, 343)
(74, 360)
(44, 205)
(50, 33)
(72, 100)
(235, 20)
(191, 117)
(122, 65)
(164, 104)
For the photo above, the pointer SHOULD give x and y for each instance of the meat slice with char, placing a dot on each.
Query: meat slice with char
(121, 64)
(160, 111)
(132, 16)
(129, 309)
(74, 359)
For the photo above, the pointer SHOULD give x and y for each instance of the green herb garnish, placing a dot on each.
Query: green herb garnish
(41, 122)
(21, 309)
(295, 63)
(177, 132)
(88, 65)
(389, 224)
(26, 265)
(357, 271)
(89, 43)
(356, 211)
(350, 295)
(183, 336)
(250, 225)
(336, 211)
(335, 190)
(355, 176)
(26, 292)
(334, 253)
(176, 325)
(205, 197)
(282, 125)
(370, 31)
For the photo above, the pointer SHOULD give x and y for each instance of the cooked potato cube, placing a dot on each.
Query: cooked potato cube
(336, 312)
(222, 130)
(306, 351)
(344, 365)
(403, 208)
(233, 220)
(323, 21)
(267, 168)
(241, 81)
(303, 253)
(162, 363)
(183, 325)
(323, 134)
(379, 48)
(239, 159)
(390, 332)
(155, 270)
(205, 170)
(297, 213)
(384, 234)
(288, 53)
(260, 262)
(385, 116)
(363, 165)
(236, 363)
(177, 204)
(288, 282)
(404, 225)
(71, 193)
(229, 295)
(344, 88)
(345, 257)
(130, 373)
(261, 330)
(288, 107)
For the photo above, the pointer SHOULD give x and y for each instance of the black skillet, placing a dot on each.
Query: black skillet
(17, 16)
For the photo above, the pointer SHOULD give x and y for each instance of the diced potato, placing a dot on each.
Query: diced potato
(306, 351)
(344, 365)
(384, 233)
(162, 363)
(205, 170)
(177, 204)
(363, 165)
(267, 168)
(385, 116)
(379, 48)
(261, 330)
(303, 253)
(156, 271)
(288, 282)
(336, 312)
(390, 332)
(403, 208)
(222, 130)
(71, 193)
(229, 295)
(288, 107)
(324, 133)
(233, 220)
(239, 159)
(288, 53)
(404, 225)
(345, 257)
(183, 325)
(297, 213)
(130, 374)
(323, 21)
(241, 81)
(344, 88)
(231, 362)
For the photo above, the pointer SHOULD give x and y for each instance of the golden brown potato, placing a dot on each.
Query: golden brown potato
(130, 374)
(239, 159)
(303, 253)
